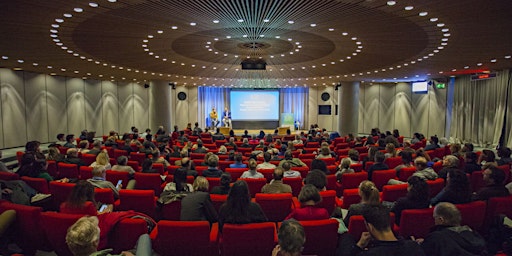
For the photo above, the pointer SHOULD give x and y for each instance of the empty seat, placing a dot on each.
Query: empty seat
(151, 181)
(275, 206)
(295, 183)
(393, 162)
(255, 185)
(183, 238)
(248, 239)
(390, 193)
(381, 177)
(143, 201)
(321, 237)
(69, 171)
(410, 226)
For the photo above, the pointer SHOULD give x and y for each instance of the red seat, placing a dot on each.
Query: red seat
(437, 166)
(39, 184)
(115, 176)
(357, 167)
(302, 169)
(341, 146)
(55, 226)
(235, 172)
(497, 206)
(308, 162)
(328, 200)
(52, 168)
(295, 183)
(27, 230)
(435, 186)
(406, 172)
(172, 168)
(9, 176)
(350, 197)
(200, 169)
(321, 237)
(390, 193)
(267, 173)
(134, 164)
(381, 177)
(69, 171)
(171, 211)
(393, 162)
(60, 192)
(506, 170)
(126, 233)
(218, 200)
(410, 226)
(367, 165)
(223, 165)
(331, 182)
(255, 185)
(307, 156)
(275, 206)
(248, 239)
(329, 161)
(19, 156)
(143, 201)
(197, 156)
(119, 152)
(159, 167)
(151, 181)
(473, 214)
(104, 195)
(361, 150)
(139, 157)
(477, 180)
(85, 172)
(212, 182)
(183, 238)
(88, 159)
(351, 180)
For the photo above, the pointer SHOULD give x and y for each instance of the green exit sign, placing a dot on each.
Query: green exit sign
(440, 86)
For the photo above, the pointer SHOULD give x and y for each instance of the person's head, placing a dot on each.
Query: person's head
(225, 179)
(200, 184)
(83, 237)
(353, 155)
(470, 157)
(291, 237)
(238, 157)
(72, 152)
(70, 138)
(396, 133)
(99, 171)
(417, 189)
(60, 136)
(213, 161)
(468, 147)
(185, 162)
(278, 173)
(316, 178)
(147, 164)
(102, 158)
(180, 178)
(420, 163)
(267, 156)
(371, 152)
(286, 166)
(369, 193)
(488, 155)
(379, 157)
(457, 181)
(52, 151)
(82, 192)
(434, 139)
(199, 143)
(252, 164)
(122, 160)
(493, 175)
(406, 157)
(455, 148)
(377, 220)
(504, 152)
(223, 149)
(83, 144)
(318, 164)
(288, 155)
(447, 214)
(30, 146)
(325, 151)
(245, 141)
(451, 161)
(239, 198)
(345, 163)
(309, 193)
(390, 148)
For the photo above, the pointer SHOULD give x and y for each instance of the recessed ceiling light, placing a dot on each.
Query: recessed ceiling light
(277, 37)
(440, 24)
(423, 14)
(55, 25)
(266, 20)
(93, 4)
(193, 23)
(447, 34)
(244, 36)
(215, 21)
(354, 38)
(21, 61)
(262, 35)
(444, 39)
(479, 64)
(216, 39)
(150, 36)
(67, 15)
(313, 25)
(331, 29)
(78, 9)
(344, 33)
(160, 31)
(63, 69)
(35, 64)
(59, 20)
(466, 67)
(112, 1)
(493, 60)
(174, 27)
(445, 30)
(228, 37)
(54, 35)
(391, 3)
(434, 19)
(507, 57)
(408, 8)
(291, 22)
(240, 20)
(49, 67)
(54, 31)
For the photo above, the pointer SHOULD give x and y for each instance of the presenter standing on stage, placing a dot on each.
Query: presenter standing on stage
(213, 118)
(226, 117)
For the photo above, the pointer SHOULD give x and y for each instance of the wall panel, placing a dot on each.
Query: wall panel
(125, 98)
(420, 113)
(141, 107)
(183, 116)
(75, 105)
(14, 123)
(386, 107)
(36, 107)
(403, 109)
(361, 128)
(371, 107)
(56, 104)
(110, 107)
(313, 108)
(93, 106)
(437, 112)
(192, 104)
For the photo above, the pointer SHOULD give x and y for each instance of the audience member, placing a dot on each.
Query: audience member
(288, 172)
(223, 188)
(81, 201)
(456, 191)
(102, 160)
(212, 171)
(288, 157)
(433, 143)
(378, 165)
(266, 162)
(252, 173)
(417, 197)
(122, 166)
(147, 166)
(72, 157)
(449, 163)
(494, 187)
(276, 185)
(98, 180)
(344, 168)
(238, 161)
(70, 139)
(309, 197)
(197, 205)
(291, 238)
(470, 162)
(320, 165)
(369, 197)
(504, 154)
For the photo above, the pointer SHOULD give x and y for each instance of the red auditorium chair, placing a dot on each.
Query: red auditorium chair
(302, 169)
(63, 150)
(477, 180)
(435, 186)
(212, 182)
(184, 238)
(332, 182)
(171, 211)
(390, 193)
(406, 172)
(497, 206)
(321, 237)
(9, 176)
(357, 167)
(159, 167)
(39, 184)
(218, 200)
(85, 172)
(329, 161)
(367, 165)
(350, 197)
(361, 150)
(275, 206)
(27, 230)
(393, 162)
(197, 156)
(88, 159)
(151, 181)
(19, 156)
(328, 200)
(115, 176)
(267, 173)
(69, 171)
(172, 168)
(248, 239)
(235, 172)
(60, 192)
(139, 157)
(104, 195)
(223, 165)
(411, 226)
(381, 177)
(341, 146)
(55, 226)
(437, 166)
(473, 214)
(295, 183)
(52, 168)
(506, 170)
(134, 164)
(200, 169)
(119, 152)
(126, 233)
(255, 185)
(352, 180)
(143, 201)
(313, 144)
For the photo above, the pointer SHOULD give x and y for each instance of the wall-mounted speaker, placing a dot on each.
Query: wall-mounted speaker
(325, 96)
(182, 96)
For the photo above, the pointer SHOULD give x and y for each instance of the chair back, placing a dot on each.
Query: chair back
(60, 192)
(104, 195)
(183, 238)
(328, 200)
(69, 171)
(381, 177)
(236, 173)
(406, 172)
(390, 193)
(393, 162)
(9, 176)
(240, 239)
(143, 201)
(255, 185)
(151, 181)
(115, 176)
(275, 206)
(27, 231)
(218, 200)
(350, 197)
(295, 183)
(85, 172)
(410, 226)
(55, 226)
(88, 159)
(39, 184)
(473, 214)
(321, 237)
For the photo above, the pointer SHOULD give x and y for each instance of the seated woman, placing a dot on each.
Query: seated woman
(417, 197)
(252, 173)
(344, 168)
(456, 191)
(239, 209)
(179, 183)
(147, 166)
(102, 160)
(81, 201)
(198, 205)
(369, 197)
(308, 198)
(223, 189)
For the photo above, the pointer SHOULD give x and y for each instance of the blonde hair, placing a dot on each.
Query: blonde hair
(102, 158)
(83, 237)
(200, 184)
(345, 163)
(369, 192)
(252, 164)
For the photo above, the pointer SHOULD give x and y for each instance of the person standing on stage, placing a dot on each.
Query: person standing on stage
(226, 117)
(213, 118)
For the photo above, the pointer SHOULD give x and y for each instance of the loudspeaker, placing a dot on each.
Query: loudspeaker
(146, 86)
(254, 64)
(338, 85)
(173, 85)
(325, 96)
(182, 96)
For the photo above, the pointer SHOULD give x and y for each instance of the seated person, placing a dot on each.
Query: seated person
(291, 238)
(276, 185)
(344, 168)
(493, 178)
(252, 173)
(266, 162)
(198, 205)
(504, 154)
(122, 166)
(223, 188)
(98, 180)
(288, 172)
(212, 171)
(238, 161)
(72, 157)
(369, 198)
(147, 166)
(102, 160)
(81, 201)
(470, 162)
(378, 165)
(288, 157)
(308, 198)
(417, 197)
(456, 191)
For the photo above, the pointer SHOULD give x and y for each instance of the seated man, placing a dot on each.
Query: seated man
(449, 237)
(288, 157)
(291, 237)
(288, 172)
(98, 180)
(83, 238)
(380, 236)
(212, 171)
(214, 118)
(226, 117)
(266, 162)
(493, 178)
(276, 185)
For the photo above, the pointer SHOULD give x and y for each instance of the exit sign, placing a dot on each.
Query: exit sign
(483, 76)
(440, 85)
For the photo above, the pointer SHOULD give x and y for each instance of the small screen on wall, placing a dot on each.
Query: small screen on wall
(324, 109)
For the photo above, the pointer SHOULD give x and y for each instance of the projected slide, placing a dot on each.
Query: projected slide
(254, 105)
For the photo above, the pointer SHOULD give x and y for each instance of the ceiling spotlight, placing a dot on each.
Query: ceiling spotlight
(313, 25)
(94, 5)
(67, 15)
(240, 20)
(78, 9)
(423, 14)
(408, 8)
(215, 21)
(266, 20)
(390, 3)
(291, 22)
(193, 23)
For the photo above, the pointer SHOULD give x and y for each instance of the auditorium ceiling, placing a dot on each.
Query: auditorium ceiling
(302, 42)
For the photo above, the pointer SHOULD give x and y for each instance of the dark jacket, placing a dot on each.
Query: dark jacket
(376, 167)
(446, 241)
(405, 203)
(491, 191)
(388, 248)
(198, 206)
(212, 172)
(254, 214)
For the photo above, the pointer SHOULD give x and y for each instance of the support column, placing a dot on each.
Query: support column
(348, 108)
(161, 105)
